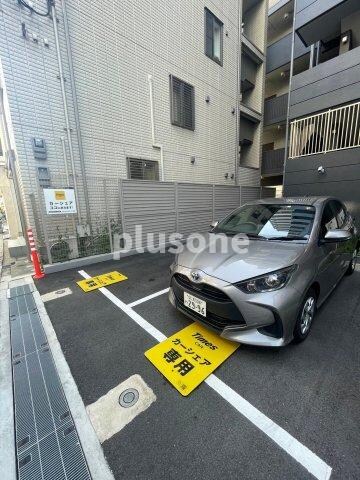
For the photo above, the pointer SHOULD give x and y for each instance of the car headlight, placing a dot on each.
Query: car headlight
(267, 283)
(173, 265)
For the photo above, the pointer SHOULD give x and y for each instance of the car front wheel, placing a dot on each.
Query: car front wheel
(352, 264)
(305, 317)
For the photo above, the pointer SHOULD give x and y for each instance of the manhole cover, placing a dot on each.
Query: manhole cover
(128, 397)
(59, 292)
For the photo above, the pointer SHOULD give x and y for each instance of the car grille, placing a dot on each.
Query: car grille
(206, 290)
(214, 321)
(220, 310)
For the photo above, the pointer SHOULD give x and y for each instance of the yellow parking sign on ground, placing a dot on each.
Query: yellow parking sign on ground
(93, 283)
(189, 356)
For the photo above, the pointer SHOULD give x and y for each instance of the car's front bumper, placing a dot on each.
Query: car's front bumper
(264, 319)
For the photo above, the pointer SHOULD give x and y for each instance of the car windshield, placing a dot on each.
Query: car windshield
(270, 222)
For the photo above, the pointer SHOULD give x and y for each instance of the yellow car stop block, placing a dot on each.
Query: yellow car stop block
(93, 283)
(187, 358)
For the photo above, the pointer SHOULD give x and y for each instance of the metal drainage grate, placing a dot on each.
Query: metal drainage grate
(20, 290)
(47, 443)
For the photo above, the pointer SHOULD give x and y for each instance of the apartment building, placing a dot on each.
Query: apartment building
(280, 39)
(313, 87)
(253, 45)
(8, 194)
(147, 90)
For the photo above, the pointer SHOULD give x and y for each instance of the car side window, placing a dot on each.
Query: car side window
(328, 220)
(340, 212)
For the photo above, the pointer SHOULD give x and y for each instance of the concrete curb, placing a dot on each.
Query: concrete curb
(83, 261)
(7, 429)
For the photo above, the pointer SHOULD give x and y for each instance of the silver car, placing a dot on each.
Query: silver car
(298, 250)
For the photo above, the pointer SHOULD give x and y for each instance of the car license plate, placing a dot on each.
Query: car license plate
(194, 303)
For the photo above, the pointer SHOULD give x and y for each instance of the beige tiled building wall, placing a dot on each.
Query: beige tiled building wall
(115, 46)
(254, 29)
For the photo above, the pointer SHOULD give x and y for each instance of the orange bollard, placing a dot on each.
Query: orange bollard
(34, 256)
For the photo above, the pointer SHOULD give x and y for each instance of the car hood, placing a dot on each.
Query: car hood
(258, 258)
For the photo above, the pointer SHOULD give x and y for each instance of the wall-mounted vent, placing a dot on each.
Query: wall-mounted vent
(43, 176)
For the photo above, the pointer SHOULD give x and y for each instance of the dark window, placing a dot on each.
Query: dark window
(213, 37)
(182, 103)
(139, 169)
(328, 220)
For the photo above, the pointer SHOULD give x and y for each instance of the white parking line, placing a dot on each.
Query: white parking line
(95, 458)
(309, 460)
(149, 297)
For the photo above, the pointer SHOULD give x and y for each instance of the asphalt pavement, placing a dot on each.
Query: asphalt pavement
(311, 390)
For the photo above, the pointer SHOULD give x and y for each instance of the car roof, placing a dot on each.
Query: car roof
(315, 201)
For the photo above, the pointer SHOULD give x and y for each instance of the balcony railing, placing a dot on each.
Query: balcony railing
(273, 162)
(275, 109)
(335, 129)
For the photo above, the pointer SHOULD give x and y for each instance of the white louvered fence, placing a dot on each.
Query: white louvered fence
(117, 206)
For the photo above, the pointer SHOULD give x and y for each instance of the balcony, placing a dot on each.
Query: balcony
(273, 162)
(248, 73)
(275, 110)
(318, 19)
(334, 82)
(279, 53)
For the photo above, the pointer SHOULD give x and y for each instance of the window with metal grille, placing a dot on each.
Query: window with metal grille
(213, 37)
(141, 169)
(182, 103)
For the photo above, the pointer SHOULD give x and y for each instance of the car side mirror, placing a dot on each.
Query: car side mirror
(337, 235)
(214, 224)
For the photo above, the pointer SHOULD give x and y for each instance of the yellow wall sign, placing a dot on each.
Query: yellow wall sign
(189, 356)
(93, 283)
(60, 195)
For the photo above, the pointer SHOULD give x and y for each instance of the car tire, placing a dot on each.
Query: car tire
(305, 318)
(352, 264)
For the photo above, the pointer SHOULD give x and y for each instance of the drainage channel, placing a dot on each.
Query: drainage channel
(47, 443)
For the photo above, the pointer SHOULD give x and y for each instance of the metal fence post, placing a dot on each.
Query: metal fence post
(121, 200)
(35, 215)
(327, 130)
(43, 221)
(108, 216)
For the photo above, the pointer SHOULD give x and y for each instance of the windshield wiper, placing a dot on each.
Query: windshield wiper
(255, 235)
(290, 237)
(250, 235)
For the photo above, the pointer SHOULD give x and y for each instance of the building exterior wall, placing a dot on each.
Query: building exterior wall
(331, 83)
(115, 46)
(330, 86)
(275, 135)
(254, 30)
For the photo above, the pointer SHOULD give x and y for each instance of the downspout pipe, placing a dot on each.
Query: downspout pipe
(238, 94)
(288, 105)
(76, 109)
(65, 107)
(159, 146)
(63, 145)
